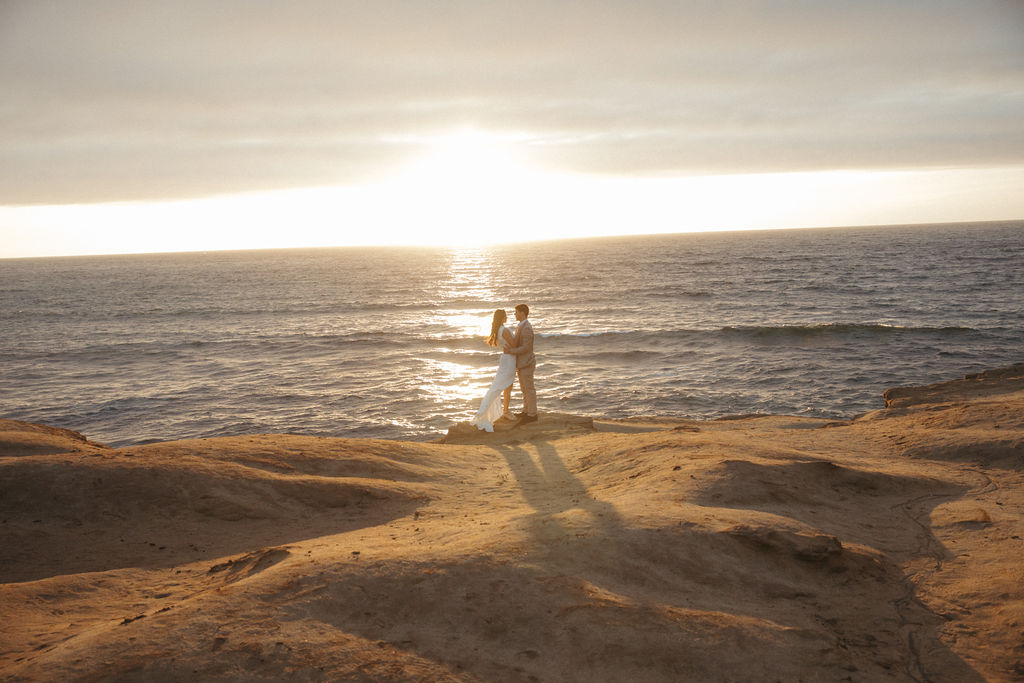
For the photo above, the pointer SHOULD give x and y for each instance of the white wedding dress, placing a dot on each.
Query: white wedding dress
(490, 405)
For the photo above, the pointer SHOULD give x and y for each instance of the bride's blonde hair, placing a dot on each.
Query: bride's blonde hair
(499, 319)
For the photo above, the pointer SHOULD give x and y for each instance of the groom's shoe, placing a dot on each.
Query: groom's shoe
(526, 419)
(521, 415)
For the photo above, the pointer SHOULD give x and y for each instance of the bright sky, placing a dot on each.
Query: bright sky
(132, 126)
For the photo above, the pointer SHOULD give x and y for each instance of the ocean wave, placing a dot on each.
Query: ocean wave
(663, 293)
(837, 330)
(243, 310)
(755, 331)
(582, 335)
(617, 336)
(836, 287)
(289, 344)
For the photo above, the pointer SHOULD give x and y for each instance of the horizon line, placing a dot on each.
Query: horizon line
(492, 245)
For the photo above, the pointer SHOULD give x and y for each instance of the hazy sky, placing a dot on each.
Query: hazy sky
(122, 113)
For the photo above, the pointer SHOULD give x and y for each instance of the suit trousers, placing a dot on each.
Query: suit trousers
(529, 391)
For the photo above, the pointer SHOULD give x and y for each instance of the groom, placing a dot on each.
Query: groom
(522, 349)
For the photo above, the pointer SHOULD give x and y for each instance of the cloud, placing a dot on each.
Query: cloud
(126, 100)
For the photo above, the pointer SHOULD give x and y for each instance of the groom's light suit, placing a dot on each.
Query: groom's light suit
(526, 362)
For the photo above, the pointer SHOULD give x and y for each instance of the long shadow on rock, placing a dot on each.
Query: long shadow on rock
(678, 603)
(841, 608)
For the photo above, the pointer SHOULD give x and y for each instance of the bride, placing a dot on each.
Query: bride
(490, 408)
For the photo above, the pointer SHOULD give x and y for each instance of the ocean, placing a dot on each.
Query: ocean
(389, 342)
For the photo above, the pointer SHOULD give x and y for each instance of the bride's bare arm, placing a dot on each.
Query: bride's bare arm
(507, 336)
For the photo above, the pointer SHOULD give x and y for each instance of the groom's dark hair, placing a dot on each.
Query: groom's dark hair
(524, 308)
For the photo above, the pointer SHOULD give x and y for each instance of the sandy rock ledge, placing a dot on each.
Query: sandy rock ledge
(763, 548)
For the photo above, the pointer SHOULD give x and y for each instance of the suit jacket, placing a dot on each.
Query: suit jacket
(523, 345)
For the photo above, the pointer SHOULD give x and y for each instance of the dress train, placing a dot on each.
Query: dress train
(490, 405)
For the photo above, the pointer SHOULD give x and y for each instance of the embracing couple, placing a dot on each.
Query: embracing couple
(516, 358)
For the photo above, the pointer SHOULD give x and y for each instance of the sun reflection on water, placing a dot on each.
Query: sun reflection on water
(468, 297)
(469, 273)
(448, 382)
(466, 302)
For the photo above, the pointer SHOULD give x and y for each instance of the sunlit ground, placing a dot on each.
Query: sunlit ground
(471, 188)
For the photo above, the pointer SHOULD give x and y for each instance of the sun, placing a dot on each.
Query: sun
(464, 189)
